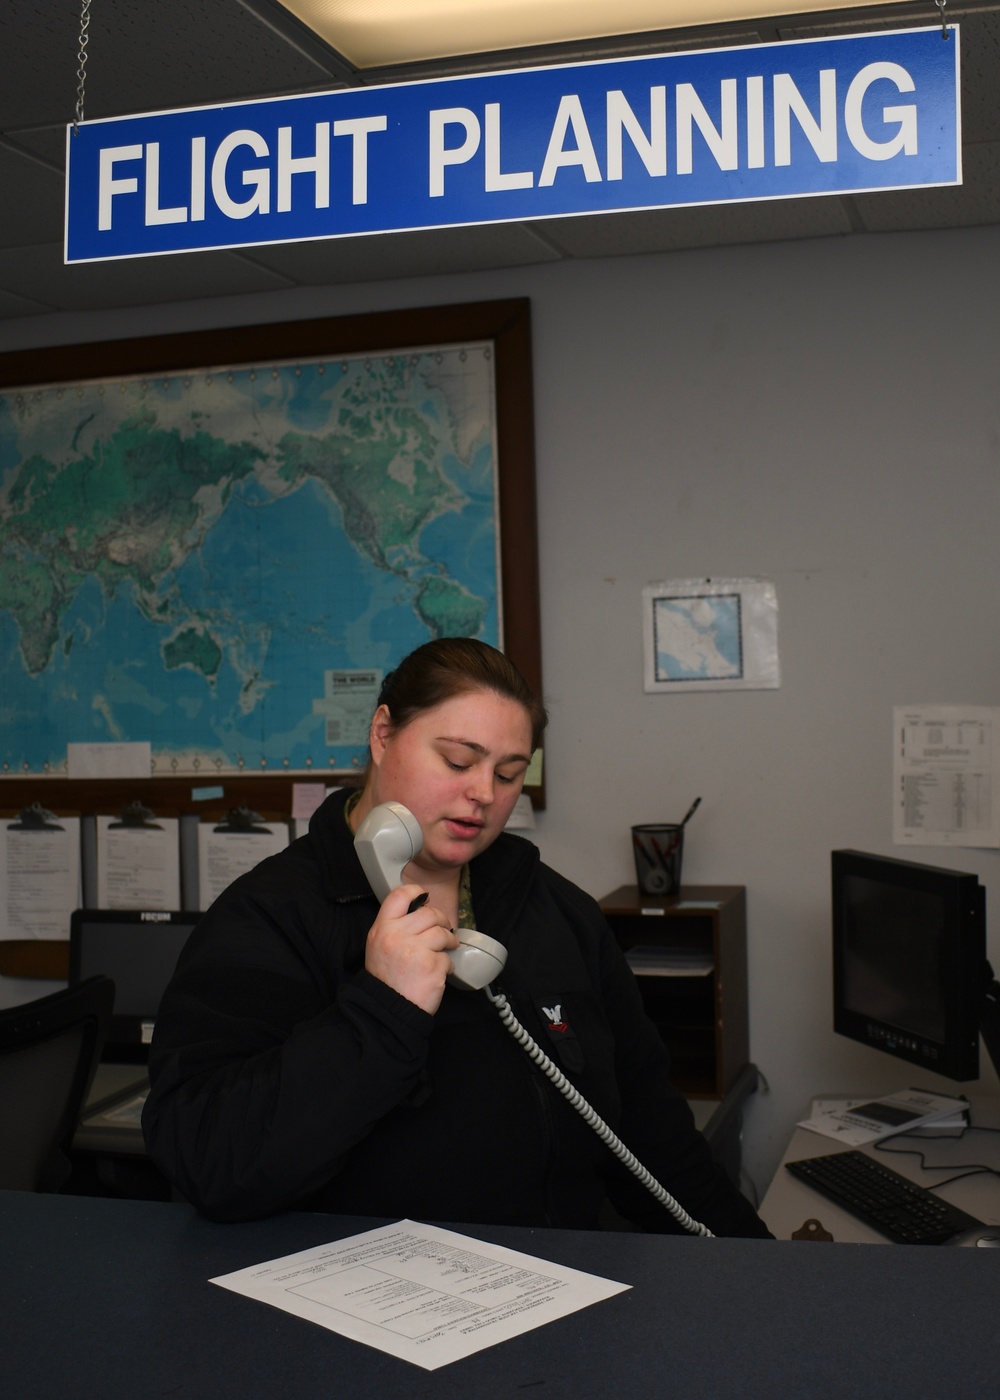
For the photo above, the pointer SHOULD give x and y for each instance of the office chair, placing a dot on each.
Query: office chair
(724, 1130)
(49, 1051)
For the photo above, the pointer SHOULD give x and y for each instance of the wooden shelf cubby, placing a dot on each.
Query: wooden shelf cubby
(700, 1008)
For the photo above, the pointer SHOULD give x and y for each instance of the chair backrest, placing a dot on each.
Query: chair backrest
(49, 1051)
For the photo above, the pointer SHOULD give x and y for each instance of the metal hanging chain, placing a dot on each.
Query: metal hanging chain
(942, 6)
(81, 72)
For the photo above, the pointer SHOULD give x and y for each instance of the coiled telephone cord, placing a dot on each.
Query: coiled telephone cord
(592, 1118)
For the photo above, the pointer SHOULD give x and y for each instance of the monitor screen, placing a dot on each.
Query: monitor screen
(139, 950)
(909, 945)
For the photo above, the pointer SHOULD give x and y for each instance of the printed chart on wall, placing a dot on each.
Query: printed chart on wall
(225, 562)
(946, 775)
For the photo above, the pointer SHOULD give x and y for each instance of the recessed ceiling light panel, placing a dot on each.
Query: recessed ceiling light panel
(381, 33)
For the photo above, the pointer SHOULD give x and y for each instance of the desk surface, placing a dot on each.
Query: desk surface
(789, 1202)
(112, 1298)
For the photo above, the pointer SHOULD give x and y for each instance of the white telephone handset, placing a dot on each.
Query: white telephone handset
(386, 841)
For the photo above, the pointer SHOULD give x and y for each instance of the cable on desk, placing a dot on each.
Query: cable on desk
(963, 1169)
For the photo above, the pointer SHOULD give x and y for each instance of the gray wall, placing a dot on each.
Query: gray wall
(823, 414)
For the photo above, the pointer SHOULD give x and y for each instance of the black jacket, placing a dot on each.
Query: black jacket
(285, 1075)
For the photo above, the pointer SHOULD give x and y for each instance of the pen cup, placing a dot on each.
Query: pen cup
(658, 850)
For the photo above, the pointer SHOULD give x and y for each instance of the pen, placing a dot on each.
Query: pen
(691, 811)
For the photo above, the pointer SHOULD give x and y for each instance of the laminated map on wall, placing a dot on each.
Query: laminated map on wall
(226, 561)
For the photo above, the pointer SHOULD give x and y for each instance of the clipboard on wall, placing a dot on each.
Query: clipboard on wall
(40, 886)
(231, 843)
(138, 859)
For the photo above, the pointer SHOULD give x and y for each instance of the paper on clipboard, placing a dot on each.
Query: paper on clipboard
(39, 874)
(229, 848)
(138, 861)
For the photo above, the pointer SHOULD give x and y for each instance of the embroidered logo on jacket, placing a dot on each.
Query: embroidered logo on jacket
(556, 1022)
(561, 1034)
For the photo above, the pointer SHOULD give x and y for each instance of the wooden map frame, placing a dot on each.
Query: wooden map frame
(506, 323)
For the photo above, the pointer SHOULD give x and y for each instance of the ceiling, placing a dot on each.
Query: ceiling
(149, 57)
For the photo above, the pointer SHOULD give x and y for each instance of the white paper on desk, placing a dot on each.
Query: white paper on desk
(224, 855)
(138, 867)
(421, 1293)
(945, 772)
(854, 1122)
(39, 877)
(958, 1119)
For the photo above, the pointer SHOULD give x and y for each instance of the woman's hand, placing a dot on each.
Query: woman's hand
(409, 951)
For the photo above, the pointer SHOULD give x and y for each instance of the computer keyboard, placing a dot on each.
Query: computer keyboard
(883, 1199)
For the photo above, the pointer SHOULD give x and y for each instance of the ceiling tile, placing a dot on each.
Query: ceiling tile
(424, 253)
(141, 57)
(656, 230)
(46, 144)
(12, 306)
(980, 60)
(975, 202)
(40, 273)
(34, 219)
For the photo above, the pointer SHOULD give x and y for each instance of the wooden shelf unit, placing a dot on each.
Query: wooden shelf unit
(702, 1016)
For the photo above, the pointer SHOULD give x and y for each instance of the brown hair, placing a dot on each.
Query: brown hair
(450, 666)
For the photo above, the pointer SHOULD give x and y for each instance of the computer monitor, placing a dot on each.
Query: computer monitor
(910, 974)
(139, 949)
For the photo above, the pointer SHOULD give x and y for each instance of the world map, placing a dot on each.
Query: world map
(224, 563)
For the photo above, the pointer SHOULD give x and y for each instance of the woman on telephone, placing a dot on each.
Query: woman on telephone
(312, 1052)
